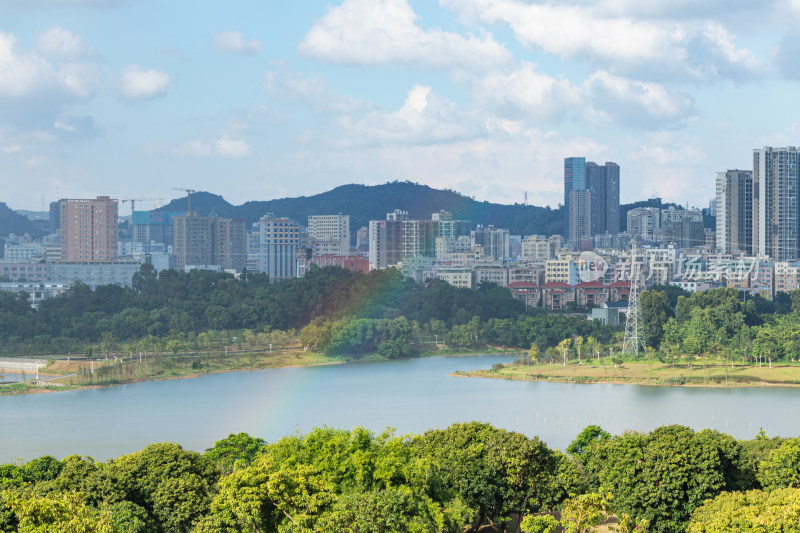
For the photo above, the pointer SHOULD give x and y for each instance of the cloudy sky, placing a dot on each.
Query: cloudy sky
(265, 99)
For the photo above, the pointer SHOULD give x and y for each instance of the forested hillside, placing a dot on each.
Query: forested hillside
(364, 203)
(467, 478)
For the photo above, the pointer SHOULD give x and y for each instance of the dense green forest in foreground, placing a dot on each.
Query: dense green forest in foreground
(469, 477)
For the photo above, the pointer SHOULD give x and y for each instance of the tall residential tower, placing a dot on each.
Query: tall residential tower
(734, 205)
(89, 229)
(776, 179)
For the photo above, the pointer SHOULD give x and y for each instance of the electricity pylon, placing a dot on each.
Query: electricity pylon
(632, 343)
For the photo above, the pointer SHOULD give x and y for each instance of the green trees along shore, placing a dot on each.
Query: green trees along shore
(468, 477)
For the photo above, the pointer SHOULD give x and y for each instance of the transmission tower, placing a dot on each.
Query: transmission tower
(632, 343)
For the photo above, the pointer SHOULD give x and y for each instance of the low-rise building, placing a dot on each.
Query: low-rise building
(93, 274)
(23, 271)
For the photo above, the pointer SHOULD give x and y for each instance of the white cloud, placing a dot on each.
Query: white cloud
(34, 89)
(423, 118)
(223, 146)
(636, 103)
(377, 32)
(691, 50)
(531, 92)
(138, 84)
(313, 92)
(526, 94)
(63, 44)
(232, 42)
(25, 74)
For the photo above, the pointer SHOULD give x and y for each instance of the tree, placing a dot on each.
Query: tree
(782, 467)
(241, 449)
(590, 435)
(533, 353)
(755, 510)
(582, 513)
(654, 311)
(173, 485)
(563, 349)
(664, 476)
(57, 513)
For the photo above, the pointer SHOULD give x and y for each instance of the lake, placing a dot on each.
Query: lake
(410, 395)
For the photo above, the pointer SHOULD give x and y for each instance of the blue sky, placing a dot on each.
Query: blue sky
(257, 100)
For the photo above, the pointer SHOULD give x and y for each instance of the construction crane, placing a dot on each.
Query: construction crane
(134, 200)
(188, 196)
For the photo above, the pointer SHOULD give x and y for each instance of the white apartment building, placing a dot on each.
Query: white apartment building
(330, 234)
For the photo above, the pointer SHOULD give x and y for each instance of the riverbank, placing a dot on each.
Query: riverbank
(71, 374)
(647, 373)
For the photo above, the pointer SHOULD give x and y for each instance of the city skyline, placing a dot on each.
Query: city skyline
(269, 101)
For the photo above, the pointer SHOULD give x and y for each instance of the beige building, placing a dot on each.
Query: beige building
(89, 229)
(211, 240)
(563, 270)
(330, 234)
(787, 276)
(538, 248)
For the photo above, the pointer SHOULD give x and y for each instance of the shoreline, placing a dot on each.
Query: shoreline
(9, 389)
(648, 375)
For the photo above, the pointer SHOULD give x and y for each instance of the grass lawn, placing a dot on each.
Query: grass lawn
(649, 373)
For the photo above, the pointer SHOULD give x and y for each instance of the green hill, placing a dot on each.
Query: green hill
(13, 222)
(371, 202)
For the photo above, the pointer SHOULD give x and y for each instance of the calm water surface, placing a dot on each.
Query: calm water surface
(411, 396)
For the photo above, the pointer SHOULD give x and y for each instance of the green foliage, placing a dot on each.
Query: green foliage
(462, 479)
(590, 435)
(782, 467)
(654, 310)
(496, 472)
(582, 513)
(736, 512)
(538, 524)
(59, 513)
(239, 449)
(44, 468)
(173, 485)
(663, 476)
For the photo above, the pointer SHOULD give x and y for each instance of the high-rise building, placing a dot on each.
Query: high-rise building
(330, 234)
(229, 243)
(386, 240)
(644, 222)
(495, 242)
(191, 240)
(203, 241)
(280, 240)
(89, 229)
(55, 216)
(734, 208)
(776, 180)
(602, 183)
(683, 227)
(153, 226)
(362, 239)
(574, 180)
(580, 217)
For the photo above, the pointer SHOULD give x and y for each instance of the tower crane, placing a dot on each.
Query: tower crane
(188, 196)
(134, 200)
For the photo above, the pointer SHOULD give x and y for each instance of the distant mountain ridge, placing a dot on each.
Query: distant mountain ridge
(13, 222)
(364, 203)
(371, 202)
